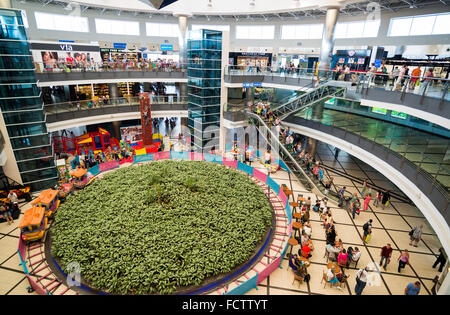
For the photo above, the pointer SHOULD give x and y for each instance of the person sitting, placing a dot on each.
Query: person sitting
(316, 207)
(301, 273)
(331, 277)
(342, 258)
(293, 262)
(305, 251)
(332, 251)
(307, 228)
(331, 235)
(356, 255)
(349, 255)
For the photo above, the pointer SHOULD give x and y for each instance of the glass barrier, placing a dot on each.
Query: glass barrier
(72, 106)
(425, 84)
(67, 67)
(427, 151)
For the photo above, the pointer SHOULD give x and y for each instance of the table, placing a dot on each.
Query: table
(297, 215)
(293, 242)
(305, 261)
(335, 266)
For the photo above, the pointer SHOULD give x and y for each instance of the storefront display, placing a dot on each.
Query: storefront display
(357, 60)
(119, 55)
(250, 59)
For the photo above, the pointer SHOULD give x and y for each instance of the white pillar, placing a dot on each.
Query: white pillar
(326, 50)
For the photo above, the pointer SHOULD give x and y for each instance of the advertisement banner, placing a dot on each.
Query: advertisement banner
(146, 118)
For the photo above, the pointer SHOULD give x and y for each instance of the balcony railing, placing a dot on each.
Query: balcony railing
(93, 104)
(60, 67)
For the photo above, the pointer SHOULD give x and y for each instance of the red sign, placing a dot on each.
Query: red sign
(146, 118)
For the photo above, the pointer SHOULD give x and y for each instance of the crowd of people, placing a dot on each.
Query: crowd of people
(112, 64)
(335, 250)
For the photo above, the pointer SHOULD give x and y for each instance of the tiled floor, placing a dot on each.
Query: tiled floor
(391, 225)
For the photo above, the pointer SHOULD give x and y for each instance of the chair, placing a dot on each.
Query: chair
(352, 261)
(344, 281)
(325, 278)
(327, 254)
(297, 278)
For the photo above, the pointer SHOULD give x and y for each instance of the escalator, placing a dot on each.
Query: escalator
(307, 180)
(322, 92)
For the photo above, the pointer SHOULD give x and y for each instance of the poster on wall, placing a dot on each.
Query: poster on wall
(49, 59)
(131, 134)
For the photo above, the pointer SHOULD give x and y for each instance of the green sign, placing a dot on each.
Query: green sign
(381, 111)
(399, 114)
(331, 101)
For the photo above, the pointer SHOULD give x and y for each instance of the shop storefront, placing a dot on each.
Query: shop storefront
(250, 59)
(357, 60)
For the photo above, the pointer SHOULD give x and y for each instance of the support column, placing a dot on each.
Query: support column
(250, 97)
(116, 129)
(113, 90)
(326, 50)
(182, 25)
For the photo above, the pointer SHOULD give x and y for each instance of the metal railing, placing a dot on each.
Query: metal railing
(293, 166)
(307, 99)
(434, 87)
(425, 86)
(92, 104)
(384, 146)
(65, 67)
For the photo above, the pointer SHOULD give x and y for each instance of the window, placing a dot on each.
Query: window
(420, 25)
(162, 29)
(357, 29)
(255, 32)
(222, 28)
(302, 31)
(116, 27)
(60, 22)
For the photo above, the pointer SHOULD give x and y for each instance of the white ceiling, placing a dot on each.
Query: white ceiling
(218, 7)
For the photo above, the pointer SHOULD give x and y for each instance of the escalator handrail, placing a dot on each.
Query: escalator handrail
(253, 115)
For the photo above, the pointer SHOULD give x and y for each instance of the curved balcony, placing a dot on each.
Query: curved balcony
(104, 73)
(429, 101)
(414, 161)
(71, 114)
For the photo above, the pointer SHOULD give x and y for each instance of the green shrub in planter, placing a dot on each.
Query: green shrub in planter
(162, 226)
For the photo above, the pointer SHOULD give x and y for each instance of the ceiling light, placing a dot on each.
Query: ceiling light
(209, 3)
(118, 13)
(150, 16)
(252, 2)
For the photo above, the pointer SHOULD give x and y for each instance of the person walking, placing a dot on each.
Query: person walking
(413, 288)
(427, 78)
(367, 201)
(403, 260)
(364, 187)
(442, 259)
(385, 199)
(341, 196)
(367, 229)
(415, 235)
(356, 206)
(378, 198)
(386, 254)
(361, 280)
